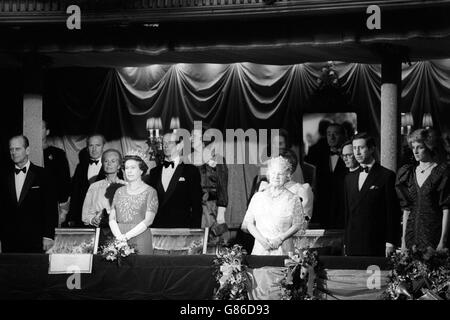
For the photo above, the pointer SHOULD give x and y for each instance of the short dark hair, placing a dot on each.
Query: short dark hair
(337, 125)
(290, 156)
(323, 126)
(96, 135)
(346, 143)
(142, 165)
(26, 142)
(285, 134)
(370, 141)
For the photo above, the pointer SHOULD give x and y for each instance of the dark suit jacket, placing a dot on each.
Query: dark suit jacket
(181, 205)
(80, 186)
(328, 192)
(24, 222)
(372, 214)
(55, 162)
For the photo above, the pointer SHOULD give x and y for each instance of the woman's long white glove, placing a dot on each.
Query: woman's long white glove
(137, 230)
(115, 230)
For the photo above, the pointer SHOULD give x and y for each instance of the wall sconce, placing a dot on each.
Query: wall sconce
(407, 122)
(175, 124)
(427, 121)
(155, 140)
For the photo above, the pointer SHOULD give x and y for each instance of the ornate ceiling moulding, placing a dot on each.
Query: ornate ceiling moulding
(151, 11)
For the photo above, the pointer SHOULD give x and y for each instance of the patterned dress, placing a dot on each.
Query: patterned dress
(426, 203)
(273, 216)
(130, 211)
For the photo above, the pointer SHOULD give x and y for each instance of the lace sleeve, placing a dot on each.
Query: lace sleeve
(249, 217)
(152, 202)
(298, 215)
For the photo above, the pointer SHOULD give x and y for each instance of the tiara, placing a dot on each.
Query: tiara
(140, 154)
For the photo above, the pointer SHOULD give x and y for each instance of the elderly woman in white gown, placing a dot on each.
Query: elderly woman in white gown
(275, 214)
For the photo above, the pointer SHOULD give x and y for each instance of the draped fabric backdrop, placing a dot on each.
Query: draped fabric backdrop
(117, 102)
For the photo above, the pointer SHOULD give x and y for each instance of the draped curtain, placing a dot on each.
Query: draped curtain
(117, 102)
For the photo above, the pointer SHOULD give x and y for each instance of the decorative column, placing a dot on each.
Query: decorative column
(32, 109)
(391, 71)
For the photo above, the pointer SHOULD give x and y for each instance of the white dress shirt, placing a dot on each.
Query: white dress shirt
(20, 179)
(167, 173)
(94, 169)
(333, 161)
(363, 175)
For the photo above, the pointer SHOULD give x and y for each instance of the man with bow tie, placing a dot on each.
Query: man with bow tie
(330, 171)
(87, 172)
(29, 213)
(178, 186)
(371, 206)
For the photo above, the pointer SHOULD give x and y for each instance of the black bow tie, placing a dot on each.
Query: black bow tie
(166, 164)
(334, 153)
(93, 161)
(365, 169)
(17, 171)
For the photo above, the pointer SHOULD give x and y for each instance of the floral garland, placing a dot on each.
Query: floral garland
(116, 250)
(422, 274)
(231, 274)
(304, 276)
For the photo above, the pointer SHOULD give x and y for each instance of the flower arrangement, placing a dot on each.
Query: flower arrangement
(196, 247)
(422, 274)
(231, 274)
(116, 250)
(304, 276)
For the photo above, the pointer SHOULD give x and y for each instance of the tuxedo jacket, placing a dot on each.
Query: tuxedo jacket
(372, 214)
(25, 221)
(56, 164)
(328, 192)
(80, 186)
(180, 206)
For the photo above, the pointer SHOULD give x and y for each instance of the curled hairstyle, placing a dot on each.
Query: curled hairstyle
(141, 163)
(278, 162)
(430, 139)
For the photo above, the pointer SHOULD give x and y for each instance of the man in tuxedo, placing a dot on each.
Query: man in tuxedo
(348, 156)
(178, 186)
(29, 213)
(371, 205)
(87, 172)
(57, 166)
(330, 172)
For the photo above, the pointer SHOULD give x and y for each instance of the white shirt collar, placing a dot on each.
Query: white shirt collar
(370, 165)
(27, 165)
(176, 161)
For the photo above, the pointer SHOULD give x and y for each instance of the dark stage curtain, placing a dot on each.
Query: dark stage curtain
(117, 102)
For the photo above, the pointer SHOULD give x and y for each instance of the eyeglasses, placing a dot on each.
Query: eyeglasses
(350, 155)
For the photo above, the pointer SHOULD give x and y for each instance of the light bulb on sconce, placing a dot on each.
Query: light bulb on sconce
(427, 121)
(407, 123)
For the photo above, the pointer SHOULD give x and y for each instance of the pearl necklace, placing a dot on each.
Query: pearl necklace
(275, 194)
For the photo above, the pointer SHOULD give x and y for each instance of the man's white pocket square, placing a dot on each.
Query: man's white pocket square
(35, 187)
(373, 187)
(181, 179)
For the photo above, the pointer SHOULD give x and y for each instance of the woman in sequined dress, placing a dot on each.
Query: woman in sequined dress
(134, 207)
